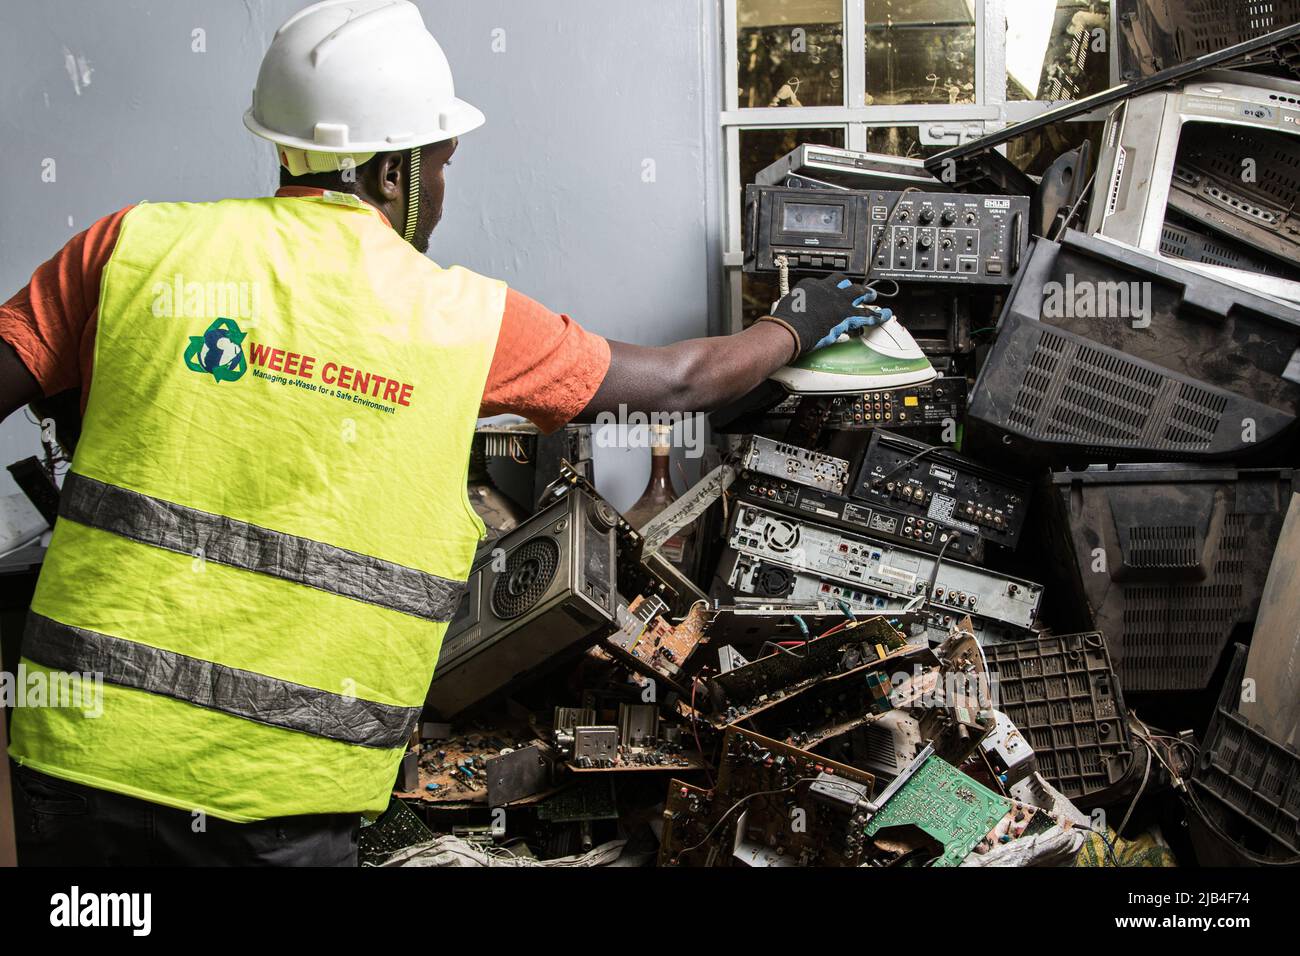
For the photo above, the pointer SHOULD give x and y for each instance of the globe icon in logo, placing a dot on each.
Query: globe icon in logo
(218, 352)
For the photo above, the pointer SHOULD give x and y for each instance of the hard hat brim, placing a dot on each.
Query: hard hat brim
(460, 119)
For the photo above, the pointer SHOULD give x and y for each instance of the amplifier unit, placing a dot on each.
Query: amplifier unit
(904, 236)
(1107, 353)
(942, 487)
(790, 463)
(542, 590)
(1170, 560)
(881, 568)
(763, 583)
(882, 521)
(937, 403)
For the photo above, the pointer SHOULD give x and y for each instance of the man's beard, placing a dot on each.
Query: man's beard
(430, 215)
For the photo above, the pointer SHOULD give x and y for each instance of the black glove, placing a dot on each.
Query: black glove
(816, 307)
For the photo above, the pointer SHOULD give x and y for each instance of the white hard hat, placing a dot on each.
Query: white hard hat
(357, 76)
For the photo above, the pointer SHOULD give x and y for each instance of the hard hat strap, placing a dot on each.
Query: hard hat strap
(413, 197)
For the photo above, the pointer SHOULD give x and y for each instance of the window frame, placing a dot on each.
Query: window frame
(949, 123)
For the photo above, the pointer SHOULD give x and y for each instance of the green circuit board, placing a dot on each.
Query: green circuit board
(948, 805)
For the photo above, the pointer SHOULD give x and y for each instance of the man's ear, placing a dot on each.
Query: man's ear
(391, 184)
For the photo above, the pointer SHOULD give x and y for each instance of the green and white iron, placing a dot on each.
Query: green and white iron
(879, 356)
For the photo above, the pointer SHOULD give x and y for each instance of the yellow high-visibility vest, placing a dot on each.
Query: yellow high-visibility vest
(265, 527)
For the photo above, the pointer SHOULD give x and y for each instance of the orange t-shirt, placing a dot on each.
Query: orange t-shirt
(546, 367)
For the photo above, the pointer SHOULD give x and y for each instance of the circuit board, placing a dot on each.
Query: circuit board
(745, 691)
(773, 805)
(587, 800)
(948, 805)
(651, 757)
(396, 829)
(650, 644)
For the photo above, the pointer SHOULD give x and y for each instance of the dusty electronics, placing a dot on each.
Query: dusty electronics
(703, 827)
(860, 564)
(1169, 561)
(1106, 353)
(942, 487)
(1204, 174)
(835, 168)
(790, 463)
(762, 582)
(1157, 36)
(1062, 694)
(1246, 783)
(881, 520)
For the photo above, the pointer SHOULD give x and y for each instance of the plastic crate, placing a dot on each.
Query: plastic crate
(1062, 694)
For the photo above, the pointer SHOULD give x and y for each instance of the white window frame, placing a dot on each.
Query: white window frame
(940, 122)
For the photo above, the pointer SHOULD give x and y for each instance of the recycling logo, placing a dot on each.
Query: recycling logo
(218, 352)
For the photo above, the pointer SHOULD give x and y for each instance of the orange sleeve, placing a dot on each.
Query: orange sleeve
(546, 368)
(51, 322)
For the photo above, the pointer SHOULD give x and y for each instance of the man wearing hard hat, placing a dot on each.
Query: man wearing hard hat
(265, 528)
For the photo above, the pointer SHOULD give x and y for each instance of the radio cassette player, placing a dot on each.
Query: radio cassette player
(908, 236)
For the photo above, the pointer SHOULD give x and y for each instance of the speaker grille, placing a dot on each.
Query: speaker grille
(1038, 379)
(878, 751)
(1174, 634)
(1091, 396)
(528, 574)
(1159, 546)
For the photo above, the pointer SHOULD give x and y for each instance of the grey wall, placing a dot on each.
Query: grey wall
(550, 195)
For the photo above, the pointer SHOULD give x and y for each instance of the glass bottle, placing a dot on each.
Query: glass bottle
(658, 495)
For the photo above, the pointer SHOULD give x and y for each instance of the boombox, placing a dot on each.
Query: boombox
(537, 595)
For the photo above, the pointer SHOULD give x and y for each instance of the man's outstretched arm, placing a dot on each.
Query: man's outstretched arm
(696, 375)
(699, 375)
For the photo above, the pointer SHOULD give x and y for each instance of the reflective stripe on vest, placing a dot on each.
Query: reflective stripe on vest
(227, 689)
(165, 524)
(265, 526)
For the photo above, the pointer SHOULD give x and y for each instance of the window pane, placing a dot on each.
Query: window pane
(900, 141)
(920, 51)
(760, 148)
(1058, 49)
(791, 52)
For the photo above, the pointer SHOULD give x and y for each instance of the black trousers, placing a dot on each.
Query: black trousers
(60, 823)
